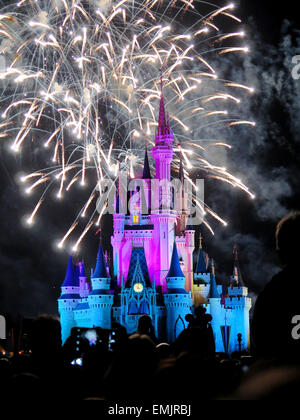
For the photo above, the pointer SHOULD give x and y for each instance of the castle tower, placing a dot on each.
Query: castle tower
(202, 262)
(184, 230)
(216, 309)
(201, 286)
(147, 180)
(163, 149)
(164, 220)
(178, 302)
(241, 304)
(117, 239)
(69, 299)
(179, 208)
(101, 298)
(190, 247)
(183, 200)
(83, 284)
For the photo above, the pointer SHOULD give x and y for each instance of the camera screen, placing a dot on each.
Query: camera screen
(96, 336)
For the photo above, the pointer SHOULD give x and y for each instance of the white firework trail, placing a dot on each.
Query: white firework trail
(82, 80)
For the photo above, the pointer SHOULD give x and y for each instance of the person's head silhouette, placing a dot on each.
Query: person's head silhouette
(145, 324)
(287, 237)
(46, 337)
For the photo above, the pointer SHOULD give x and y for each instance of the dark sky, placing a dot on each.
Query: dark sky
(31, 270)
(269, 15)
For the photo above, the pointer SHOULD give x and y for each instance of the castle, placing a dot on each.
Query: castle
(154, 272)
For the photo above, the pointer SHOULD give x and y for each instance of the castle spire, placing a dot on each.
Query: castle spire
(71, 279)
(99, 232)
(175, 269)
(183, 214)
(163, 118)
(146, 169)
(213, 268)
(100, 270)
(237, 276)
(80, 269)
(163, 150)
(202, 259)
(213, 292)
(181, 170)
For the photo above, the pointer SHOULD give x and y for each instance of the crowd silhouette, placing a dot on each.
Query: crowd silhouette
(138, 368)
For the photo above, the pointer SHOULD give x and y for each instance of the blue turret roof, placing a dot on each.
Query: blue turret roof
(100, 270)
(213, 292)
(201, 264)
(71, 279)
(202, 260)
(70, 296)
(101, 292)
(175, 269)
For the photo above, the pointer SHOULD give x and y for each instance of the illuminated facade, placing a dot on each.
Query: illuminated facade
(154, 272)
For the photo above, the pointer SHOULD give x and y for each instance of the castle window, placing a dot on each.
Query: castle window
(144, 307)
(133, 308)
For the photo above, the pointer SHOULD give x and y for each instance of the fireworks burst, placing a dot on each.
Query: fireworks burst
(82, 80)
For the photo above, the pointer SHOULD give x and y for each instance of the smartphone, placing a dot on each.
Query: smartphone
(95, 336)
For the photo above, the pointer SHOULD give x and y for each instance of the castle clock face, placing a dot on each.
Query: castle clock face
(138, 287)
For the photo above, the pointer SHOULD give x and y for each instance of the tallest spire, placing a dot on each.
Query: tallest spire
(163, 150)
(163, 118)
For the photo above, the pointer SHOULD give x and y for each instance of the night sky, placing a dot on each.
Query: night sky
(267, 158)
